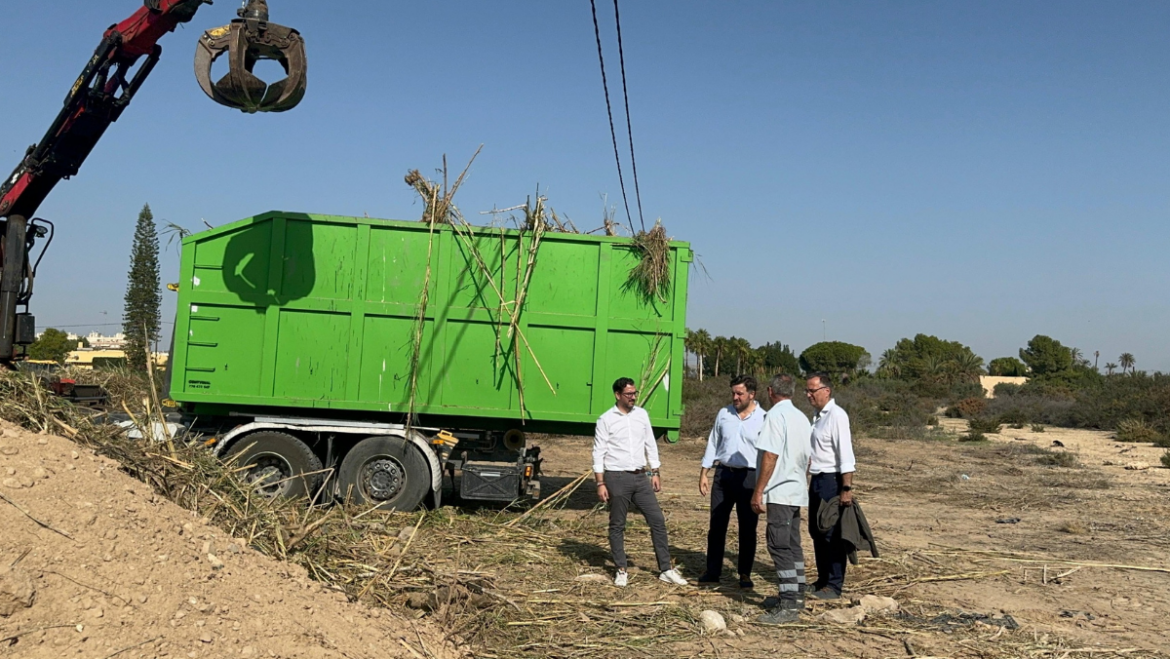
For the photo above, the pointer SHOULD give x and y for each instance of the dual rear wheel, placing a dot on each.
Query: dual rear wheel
(383, 471)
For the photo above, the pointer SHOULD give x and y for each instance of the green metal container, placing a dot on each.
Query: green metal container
(319, 315)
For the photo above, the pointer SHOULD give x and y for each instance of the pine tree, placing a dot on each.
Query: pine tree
(142, 314)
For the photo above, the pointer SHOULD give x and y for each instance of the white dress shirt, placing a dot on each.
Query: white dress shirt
(786, 434)
(832, 443)
(732, 442)
(623, 442)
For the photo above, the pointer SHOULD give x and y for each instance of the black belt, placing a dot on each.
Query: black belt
(735, 468)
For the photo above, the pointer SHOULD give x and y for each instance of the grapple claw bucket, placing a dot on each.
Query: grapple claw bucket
(247, 40)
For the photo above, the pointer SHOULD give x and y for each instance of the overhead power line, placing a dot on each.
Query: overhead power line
(626, 96)
(609, 110)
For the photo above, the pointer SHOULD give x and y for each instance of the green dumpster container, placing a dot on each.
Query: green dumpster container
(295, 313)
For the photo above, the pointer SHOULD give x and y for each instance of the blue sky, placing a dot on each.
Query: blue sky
(864, 171)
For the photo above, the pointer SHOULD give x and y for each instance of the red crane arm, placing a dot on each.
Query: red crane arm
(95, 101)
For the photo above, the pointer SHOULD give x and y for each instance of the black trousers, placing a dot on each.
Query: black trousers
(783, 536)
(831, 552)
(731, 489)
(626, 488)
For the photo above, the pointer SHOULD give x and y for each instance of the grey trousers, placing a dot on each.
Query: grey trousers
(624, 488)
(784, 545)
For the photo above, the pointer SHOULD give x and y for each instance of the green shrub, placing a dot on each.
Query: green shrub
(973, 436)
(1017, 426)
(1137, 430)
(1037, 427)
(983, 425)
(1006, 389)
(1166, 459)
(932, 421)
(886, 408)
(1014, 416)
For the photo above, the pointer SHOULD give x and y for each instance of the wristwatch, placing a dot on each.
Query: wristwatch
(846, 488)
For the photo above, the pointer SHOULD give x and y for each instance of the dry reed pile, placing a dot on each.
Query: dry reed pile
(651, 276)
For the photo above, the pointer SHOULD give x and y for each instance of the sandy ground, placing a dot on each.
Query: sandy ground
(992, 531)
(934, 505)
(114, 570)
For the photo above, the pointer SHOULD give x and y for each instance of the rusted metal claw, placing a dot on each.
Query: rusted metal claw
(247, 40)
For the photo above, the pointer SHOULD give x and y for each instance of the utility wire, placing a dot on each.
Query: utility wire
(609, 111)
(629, 129)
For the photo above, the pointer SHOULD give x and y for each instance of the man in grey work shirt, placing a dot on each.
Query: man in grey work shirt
(781, 489)
(731, 450)
(622, 443)
(832, 468)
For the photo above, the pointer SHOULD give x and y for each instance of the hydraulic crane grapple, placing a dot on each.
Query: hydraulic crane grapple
(246, 40)
(96, 100)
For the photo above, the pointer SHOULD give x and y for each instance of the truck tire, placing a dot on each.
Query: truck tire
(386, 471)
(281, 465)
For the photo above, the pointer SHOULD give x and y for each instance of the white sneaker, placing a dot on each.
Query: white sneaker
(621, 579)
(672, 576)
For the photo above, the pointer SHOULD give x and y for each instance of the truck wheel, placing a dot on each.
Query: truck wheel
(280, 465)
(385, 471)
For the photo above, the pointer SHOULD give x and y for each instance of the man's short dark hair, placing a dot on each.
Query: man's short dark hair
(747, 381)
(825, 379)
(620, 384)
(783, 384)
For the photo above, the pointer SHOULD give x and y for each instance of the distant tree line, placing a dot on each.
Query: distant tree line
(928, 361)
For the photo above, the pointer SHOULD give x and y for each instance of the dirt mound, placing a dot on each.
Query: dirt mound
(93, 563)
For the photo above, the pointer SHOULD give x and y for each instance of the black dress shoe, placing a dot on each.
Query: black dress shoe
(745, 583)
(826, 593)
(708, 580)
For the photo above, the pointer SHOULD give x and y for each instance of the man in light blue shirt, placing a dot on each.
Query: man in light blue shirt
(781, 489)
(731, 451)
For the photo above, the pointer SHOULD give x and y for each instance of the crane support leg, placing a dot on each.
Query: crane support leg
(11, 279)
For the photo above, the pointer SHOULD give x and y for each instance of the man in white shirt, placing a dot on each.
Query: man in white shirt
(622, 443)
(731, 451)
(784, 446)
(832, 468)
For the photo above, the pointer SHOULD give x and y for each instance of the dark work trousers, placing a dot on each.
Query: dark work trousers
(830, 550)
(783, 536)
(626, 487)
(730, 490)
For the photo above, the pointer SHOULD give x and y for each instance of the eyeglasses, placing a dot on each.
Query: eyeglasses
(629, 394)
(813, 391)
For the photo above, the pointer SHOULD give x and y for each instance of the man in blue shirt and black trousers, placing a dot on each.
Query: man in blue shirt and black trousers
(731, 451)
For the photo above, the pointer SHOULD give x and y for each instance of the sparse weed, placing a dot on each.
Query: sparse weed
(1057, 459)
(1037, 427)
(984, 425)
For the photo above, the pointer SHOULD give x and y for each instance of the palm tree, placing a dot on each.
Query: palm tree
(1110, 367)
(703, 344)
(739, 348)
(718, 349)
(755, 362)
(1126, 360)
(933, 368)
(689, 344)
(969, 366)
(888, 365)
